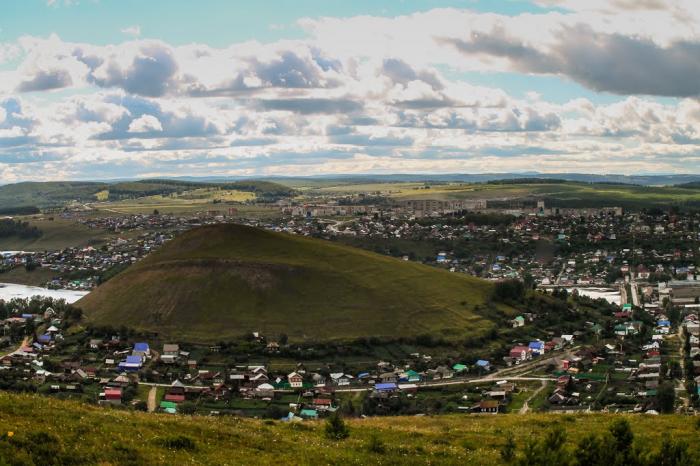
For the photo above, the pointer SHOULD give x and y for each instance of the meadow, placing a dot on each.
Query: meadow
(74, 433)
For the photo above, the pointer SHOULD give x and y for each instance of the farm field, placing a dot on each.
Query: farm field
(56, 234)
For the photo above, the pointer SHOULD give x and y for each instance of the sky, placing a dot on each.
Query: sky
(107, 89)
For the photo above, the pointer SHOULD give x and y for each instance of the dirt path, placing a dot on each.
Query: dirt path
(526, 406)
(152, 399)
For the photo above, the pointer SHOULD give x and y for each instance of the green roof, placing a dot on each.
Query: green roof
(308, 413)
(168, 404)
(459, 367)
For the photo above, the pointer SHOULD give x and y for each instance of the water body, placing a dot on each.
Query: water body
(10, 290)
(611, 296)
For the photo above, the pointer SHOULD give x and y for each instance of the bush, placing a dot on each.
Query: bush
(179, 442)
(188, 407)
(375, 445)
(508, 450)
(336, 428)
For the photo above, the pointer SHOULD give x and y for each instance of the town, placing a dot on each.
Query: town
(633, 273)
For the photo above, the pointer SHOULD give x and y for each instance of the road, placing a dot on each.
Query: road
(635, 293)
(526, 406)
(680, 383)
(152, 399)
(26, 342)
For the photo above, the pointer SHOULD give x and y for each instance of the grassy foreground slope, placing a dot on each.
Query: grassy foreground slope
(50, 431)
(219, 282)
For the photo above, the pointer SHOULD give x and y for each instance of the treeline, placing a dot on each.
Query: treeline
(9, 227)
(20, 210)
(615, 447)
(529, 181)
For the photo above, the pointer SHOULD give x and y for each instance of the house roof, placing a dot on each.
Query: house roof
(141, 347)
(386, 386)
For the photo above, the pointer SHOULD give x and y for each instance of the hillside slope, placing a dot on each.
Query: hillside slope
(74, 433)
(222, 281)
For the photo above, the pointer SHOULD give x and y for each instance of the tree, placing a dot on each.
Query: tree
(666, 397)
(336, 428)
(188, 407)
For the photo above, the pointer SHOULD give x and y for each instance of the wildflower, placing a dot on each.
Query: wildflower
(10, 434)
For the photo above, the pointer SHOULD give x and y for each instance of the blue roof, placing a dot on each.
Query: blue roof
(27, 316)
(482, 362)
(362, 375)
(44, 338)
(134, 360)
(664, 323)
(140, 346)
(536, 344)
(385, 386)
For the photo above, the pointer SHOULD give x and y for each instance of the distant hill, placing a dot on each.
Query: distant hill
(643, 180)
(58, 193)
(220, 282)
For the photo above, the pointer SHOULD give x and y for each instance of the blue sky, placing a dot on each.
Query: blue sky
(106, 88)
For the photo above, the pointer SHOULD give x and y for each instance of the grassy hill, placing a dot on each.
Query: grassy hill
(219, 282)
(50, 431)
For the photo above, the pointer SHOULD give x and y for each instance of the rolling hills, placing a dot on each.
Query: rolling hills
(57, 194)
(220, 282)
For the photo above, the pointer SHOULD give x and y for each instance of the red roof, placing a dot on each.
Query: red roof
(176, 398)
(113, 393)
(322, 401)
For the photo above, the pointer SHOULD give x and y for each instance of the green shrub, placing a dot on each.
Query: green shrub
(179, 442)
(376, 445)
(336, 428)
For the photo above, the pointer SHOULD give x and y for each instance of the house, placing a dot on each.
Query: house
(410, 376)
(386, 387)
(95, 343)
(537, 348)
(295, 380)
(265, 390)
(459, 368)
(483, 364)
(520, 353)
(171, 349)
(519, 321)
(175, 393)
(168, 407)
(341, 379)
(489, 406)
(132, 363)
(171, 353)
(141, 349)
(113, 395)
(318, 380)
(308, 414)
(322, 404)
(443, 372)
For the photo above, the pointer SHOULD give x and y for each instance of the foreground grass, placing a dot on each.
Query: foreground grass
(50, 431)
